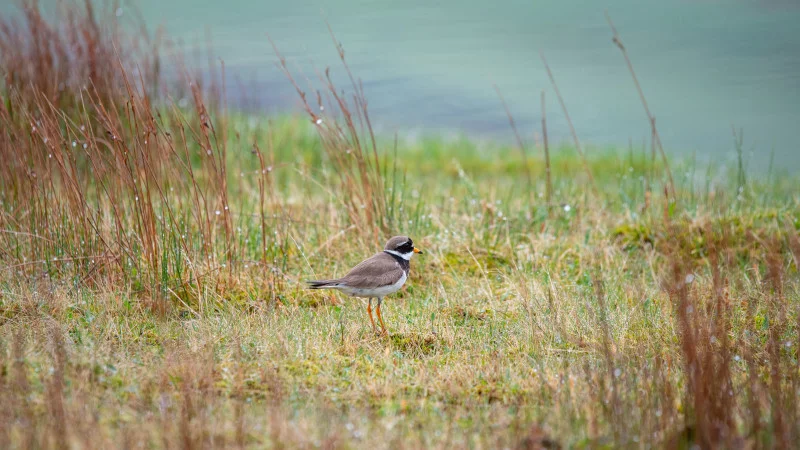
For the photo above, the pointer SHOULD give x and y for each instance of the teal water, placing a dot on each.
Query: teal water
(430, 66)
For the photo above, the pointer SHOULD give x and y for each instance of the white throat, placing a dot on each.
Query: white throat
(406, 256)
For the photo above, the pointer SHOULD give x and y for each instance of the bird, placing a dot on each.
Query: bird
(381, 274)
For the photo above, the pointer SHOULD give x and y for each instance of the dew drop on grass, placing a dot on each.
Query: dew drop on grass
(319, 122)
(217, 212)
(689, 278)
(74, 144)
(567, 208)
(617, 372)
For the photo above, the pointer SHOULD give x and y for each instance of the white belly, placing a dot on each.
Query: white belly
(376, 292)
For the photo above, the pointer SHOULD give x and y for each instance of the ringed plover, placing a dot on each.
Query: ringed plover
(376, 277)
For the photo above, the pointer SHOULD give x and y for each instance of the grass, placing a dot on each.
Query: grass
(152, 256)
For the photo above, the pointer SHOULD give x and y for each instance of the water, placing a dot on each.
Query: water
(704, 65)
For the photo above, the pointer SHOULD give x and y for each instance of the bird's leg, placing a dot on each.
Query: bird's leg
(380, 318)
(369, 310)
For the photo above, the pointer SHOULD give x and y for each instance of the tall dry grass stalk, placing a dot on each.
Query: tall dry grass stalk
(345, 130)
(547, 167)
(656, 138)
(513, 124)
(712, 355)
(574, 133)
(109, 182)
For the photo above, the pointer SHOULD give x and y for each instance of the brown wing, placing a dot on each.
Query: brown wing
(377, 271)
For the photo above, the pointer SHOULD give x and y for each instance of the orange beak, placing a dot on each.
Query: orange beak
(416, 250)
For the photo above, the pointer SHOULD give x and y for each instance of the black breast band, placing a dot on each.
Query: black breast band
(404, 263)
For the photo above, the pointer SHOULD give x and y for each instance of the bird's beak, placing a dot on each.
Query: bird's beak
(416, 250)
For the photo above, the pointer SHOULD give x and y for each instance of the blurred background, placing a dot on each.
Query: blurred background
(430, 67)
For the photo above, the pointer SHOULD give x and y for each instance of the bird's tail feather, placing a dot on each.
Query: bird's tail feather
(322, 284)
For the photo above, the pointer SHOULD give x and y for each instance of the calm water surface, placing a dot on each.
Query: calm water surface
(430, 66)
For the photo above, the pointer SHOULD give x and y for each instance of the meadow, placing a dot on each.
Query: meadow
(154, 244)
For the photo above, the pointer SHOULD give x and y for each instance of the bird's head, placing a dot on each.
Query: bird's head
(401, 246)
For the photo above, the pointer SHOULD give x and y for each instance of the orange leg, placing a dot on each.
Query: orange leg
(369, 310)
(380, 318)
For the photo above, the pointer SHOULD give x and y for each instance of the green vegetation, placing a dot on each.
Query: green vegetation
(152, 259)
